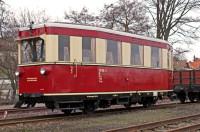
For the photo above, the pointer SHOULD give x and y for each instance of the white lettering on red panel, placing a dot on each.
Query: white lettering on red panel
(100, 75)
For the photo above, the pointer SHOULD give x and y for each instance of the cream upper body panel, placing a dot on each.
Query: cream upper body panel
(75, 49)
(147, 56)
(76, 52)
(164, 58)
(51, 45)
(126, 52)
(100, 51)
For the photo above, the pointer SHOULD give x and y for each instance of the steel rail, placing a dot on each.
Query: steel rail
(18, 110)
(190, 128)
(15, 110)
(30, 119)
(153, 125)
(7, 122)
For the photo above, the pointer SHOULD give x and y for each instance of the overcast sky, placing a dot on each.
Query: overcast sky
(56, 8)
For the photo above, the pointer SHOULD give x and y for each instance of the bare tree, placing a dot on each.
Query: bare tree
(108, 15)
(174, 17)
(175, 21)
(126, 15)
(9, 23)
(8, 62)
(8, 58)
(82, 17)
(26, 17)
(4, 19)
(179, 54)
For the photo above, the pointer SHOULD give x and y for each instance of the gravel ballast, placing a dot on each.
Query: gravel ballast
(99, 123)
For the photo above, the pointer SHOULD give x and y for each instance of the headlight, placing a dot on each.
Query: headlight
(42, 71)
(17, 73)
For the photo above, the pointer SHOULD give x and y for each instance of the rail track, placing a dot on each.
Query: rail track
(180, 124)
(78, 115)
(14, 110)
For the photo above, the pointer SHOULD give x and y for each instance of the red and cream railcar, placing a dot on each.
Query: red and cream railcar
(74, 66)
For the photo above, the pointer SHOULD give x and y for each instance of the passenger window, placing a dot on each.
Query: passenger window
(137, 54)
(64, 48)
(155, 57)
(113, 54)
(89, 47)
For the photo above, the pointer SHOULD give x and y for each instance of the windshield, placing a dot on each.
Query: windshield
(32, 50)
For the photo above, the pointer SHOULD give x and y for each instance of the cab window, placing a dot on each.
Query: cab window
(32, 50)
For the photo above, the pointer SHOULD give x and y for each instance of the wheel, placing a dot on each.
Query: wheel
(182, 98)
(33, 104)
(30, 104)
(155, 99)
(127, 106)
(191, 97)
(148, 101)
(67, 112)
(89, 107)
(146, 104)
(50, 105)
(18, 104)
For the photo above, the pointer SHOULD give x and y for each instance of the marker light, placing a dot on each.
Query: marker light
(17, 73)
(42, 71)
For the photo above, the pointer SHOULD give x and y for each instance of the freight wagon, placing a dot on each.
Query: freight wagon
(187, 85)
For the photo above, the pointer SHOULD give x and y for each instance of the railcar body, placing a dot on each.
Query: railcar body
(187, 85)
(74, 66)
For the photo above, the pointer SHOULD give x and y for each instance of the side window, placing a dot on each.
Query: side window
(137, 54)
(63, 48)
(155, 57)
(113, 52)
(88, 47)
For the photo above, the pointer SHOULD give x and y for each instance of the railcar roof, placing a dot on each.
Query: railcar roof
(93, 28)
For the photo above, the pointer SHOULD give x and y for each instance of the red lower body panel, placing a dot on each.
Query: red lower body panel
(89, 78)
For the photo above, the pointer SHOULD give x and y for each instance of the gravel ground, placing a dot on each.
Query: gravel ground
(100, 123)
(26, 113)
(29, 114)
(12, 106)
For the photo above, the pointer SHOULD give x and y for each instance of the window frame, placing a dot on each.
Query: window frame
(159, 57)
(142, 57)
(41, 58)
(119, 52)
(65, 45)
(92, 50)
